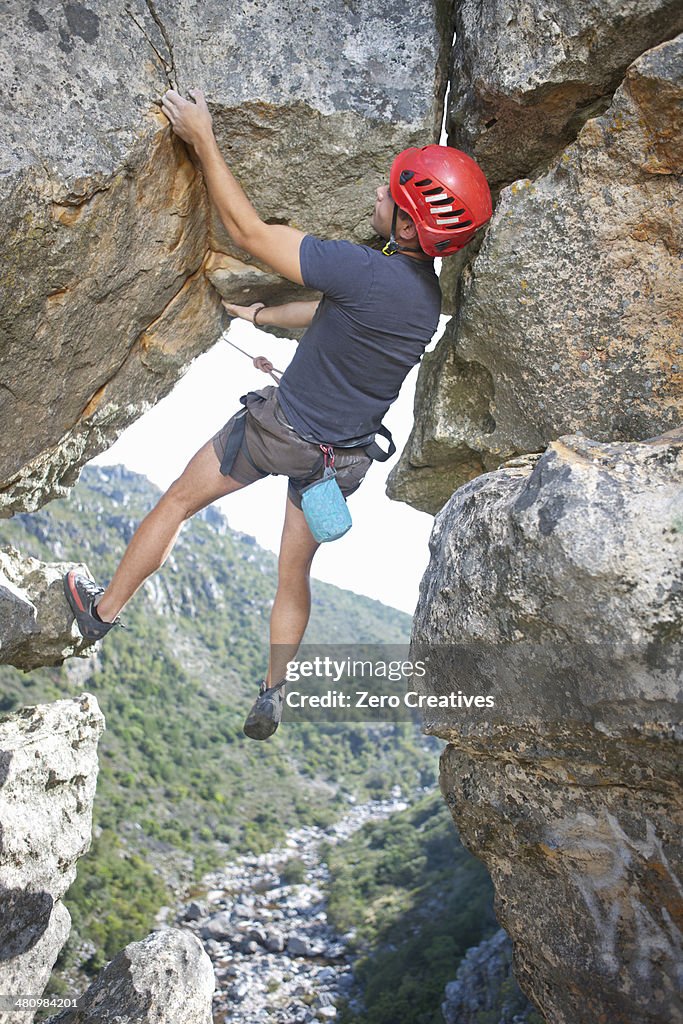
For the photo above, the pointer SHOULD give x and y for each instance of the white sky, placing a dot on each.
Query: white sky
(386, 551)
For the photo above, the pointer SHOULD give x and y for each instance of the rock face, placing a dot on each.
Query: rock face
(564, 574)
(164, 979)
(570, 317)
(485, 984)
(36, 626)
(525, 79)
(109, 248)
(48, 769)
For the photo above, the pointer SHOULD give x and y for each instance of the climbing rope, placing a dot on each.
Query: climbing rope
(272, 373)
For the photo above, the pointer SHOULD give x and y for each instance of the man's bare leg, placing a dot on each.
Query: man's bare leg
(200, 484)
(292, 605)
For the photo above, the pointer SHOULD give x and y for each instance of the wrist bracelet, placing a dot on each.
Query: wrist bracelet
(256, 313)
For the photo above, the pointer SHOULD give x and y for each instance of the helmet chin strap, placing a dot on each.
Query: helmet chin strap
(392, 245)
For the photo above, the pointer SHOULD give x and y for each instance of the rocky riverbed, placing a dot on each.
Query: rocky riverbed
(276, 959)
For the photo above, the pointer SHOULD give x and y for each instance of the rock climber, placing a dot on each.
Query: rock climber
(379, 310)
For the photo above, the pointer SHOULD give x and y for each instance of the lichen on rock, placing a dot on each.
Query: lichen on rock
(525, 80)
(105, 296)
(164, 979)
(556, 585)
(36, 625)
(48, 770)
(570, 316)
(485, 987)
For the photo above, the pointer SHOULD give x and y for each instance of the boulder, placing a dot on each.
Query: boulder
(219, 926)
(48, 769)
(556, 586)
(36, 624)
(275, 941)
(570, 316)
(239, 991)
(258, 935)
(194, 911)
(299, 945)
(243, 910)
(525, 80)
(111, 254)
(164, 979)
(485, 984)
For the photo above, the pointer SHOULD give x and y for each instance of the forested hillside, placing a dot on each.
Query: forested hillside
(180, 788)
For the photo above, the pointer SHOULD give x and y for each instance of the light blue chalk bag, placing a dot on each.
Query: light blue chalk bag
(324, 506)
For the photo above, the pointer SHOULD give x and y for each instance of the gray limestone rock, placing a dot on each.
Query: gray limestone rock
(48, 770)
(165, 979)
(570, 316)
(195, 911)
(526, 78)
(299, 945)
(109, 249)
(239, 991)
(219, 926)
(258, 935)
(485, 985)
(556, 586)
(275, 941)
(36, 624)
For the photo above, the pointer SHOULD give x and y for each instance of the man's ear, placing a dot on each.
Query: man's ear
(405, 228)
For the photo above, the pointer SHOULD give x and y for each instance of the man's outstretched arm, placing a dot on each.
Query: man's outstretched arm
(291, 314)
(275, 244)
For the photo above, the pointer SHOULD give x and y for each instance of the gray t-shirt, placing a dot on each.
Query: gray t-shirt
(376, 317)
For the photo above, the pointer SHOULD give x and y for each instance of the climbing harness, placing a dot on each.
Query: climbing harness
(322, 501)
(371, 447)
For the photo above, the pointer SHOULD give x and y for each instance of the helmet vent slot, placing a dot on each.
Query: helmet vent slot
(423, 183)
(433, 191)
(452, 221)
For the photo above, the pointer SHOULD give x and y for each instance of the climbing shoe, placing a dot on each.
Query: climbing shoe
(82, 594)
(266, 712)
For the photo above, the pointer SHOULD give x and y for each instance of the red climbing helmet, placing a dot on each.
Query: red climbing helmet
(446, 194)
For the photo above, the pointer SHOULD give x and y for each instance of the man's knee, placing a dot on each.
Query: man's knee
(293, 567)
(181, 499)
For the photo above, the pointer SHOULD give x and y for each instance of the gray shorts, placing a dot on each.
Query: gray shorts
(272, 446)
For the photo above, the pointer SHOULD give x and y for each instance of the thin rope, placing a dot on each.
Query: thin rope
(271, 373)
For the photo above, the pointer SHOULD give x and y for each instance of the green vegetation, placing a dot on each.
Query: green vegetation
(113, 873)
(177, 777)
(416, 900)
(294, 872)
